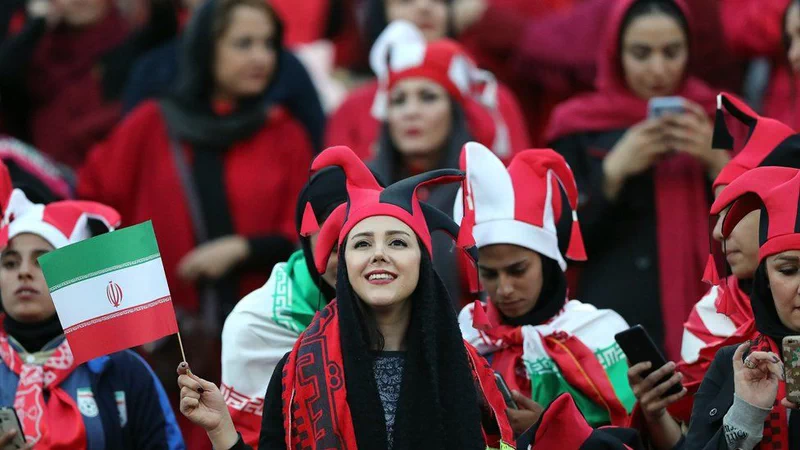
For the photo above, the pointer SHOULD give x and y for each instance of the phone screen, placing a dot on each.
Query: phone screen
(501, 384)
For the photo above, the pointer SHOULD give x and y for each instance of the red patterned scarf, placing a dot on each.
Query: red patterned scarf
(776, 429)
(574, 359)
(315, 408)
(56, 423)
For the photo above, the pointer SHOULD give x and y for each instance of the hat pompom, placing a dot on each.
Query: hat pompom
(721, 139)
(576, 250)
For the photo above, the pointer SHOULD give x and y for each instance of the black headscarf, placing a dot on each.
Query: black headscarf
(189, 111)
(438, 405)
(767, 320)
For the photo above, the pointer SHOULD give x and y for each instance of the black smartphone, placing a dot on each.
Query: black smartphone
(501, 384)
(9, 421)
(639, 347)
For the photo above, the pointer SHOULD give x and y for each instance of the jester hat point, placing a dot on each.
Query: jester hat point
(520, 205)
(366, 198)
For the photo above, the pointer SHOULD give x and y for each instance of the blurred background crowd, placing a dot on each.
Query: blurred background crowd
(204, 117)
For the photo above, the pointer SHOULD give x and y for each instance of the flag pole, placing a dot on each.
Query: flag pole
(180, 343)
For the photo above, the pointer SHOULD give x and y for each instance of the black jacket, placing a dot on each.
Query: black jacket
(711, 403)
(620, 237)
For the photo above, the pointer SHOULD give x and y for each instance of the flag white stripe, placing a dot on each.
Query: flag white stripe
(87, 299)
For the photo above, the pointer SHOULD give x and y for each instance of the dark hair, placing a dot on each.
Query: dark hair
(223, 15)
(375, 20)
(644, 8)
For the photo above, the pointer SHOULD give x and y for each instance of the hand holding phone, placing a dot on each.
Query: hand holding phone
(661, 106)
(10, 422)
(501, 384)
(639, 347)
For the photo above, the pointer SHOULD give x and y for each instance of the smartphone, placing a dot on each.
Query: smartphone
(660, 106)
(9, 421)
(791, 367)
(501, 384)
(639, 347)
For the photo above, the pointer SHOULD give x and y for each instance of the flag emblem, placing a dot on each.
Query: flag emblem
(114, 294)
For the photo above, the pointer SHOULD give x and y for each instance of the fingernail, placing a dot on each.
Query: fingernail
(183, 365)
(200, 390)
(775, 359)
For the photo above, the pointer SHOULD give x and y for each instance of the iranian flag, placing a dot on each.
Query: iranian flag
(110, 292)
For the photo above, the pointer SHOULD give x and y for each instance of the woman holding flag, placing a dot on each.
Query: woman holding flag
(390, 340)
(111, 402)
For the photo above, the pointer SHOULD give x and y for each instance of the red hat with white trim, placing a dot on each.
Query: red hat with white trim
(763, 136)
(402, 52)
(366, 198)
(519, 205)
(776, 192)
(59, 223)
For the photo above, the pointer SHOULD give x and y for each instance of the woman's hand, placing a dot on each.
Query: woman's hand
(203, 405)
(641, 146)
(663, 429)
(526, 416)
(756, 378)
(649, 393)
(214, 259)
(691, 133)
(8, 437)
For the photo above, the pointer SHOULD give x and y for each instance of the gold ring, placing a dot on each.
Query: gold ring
(749, 364)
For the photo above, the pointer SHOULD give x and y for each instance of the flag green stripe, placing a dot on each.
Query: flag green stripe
(122, 266)
(103, 252)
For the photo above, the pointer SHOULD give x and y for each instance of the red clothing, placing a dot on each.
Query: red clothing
(134, 172)
(68, 111)
(678, 181)
(352, 123)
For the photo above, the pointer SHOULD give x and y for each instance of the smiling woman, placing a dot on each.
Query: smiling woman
(387, 352)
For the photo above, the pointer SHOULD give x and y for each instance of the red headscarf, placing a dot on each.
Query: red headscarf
(681, 207)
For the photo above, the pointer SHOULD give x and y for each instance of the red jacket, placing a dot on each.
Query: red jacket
(352, 123)
(134, 172)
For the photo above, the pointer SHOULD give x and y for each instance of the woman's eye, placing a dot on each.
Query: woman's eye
(640, 53)
(788, 270)
(9, 264)
(398, 243)
(488, 275)
(672, 52)
(361, 244)
(397, 100)
(243, 43)
(429, 97)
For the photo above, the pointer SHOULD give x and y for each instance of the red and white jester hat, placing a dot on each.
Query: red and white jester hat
(774, 190)
(366, 198)
(402, 52)
(763, 136)
(59, 223)
(519, 205)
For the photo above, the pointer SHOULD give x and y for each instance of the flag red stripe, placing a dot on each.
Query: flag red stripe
(123, 331)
